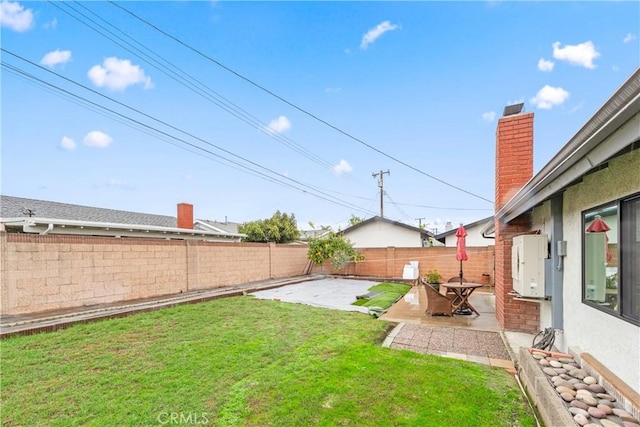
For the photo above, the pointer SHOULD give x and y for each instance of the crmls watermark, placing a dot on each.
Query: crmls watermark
(183, 418)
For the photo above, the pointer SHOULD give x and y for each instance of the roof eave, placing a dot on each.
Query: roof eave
(583, 152)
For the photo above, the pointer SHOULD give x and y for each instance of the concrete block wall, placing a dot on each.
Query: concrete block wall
(41, 273)
(389, 262)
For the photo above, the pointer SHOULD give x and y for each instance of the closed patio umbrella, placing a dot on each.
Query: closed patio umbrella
(599, 226)
(461, 252)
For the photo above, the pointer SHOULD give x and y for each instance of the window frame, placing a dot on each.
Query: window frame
(623, 311)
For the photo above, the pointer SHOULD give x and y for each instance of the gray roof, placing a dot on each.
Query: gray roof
(466, 226)
(16, 207)
(227, 227)
(422, 231)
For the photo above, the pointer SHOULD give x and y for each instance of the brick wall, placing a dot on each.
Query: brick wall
(514, 168)
(40, 273)
(389, 262)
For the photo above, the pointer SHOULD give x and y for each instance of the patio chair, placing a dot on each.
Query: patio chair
(436, 302)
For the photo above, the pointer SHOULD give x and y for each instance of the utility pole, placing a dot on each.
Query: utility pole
(420, 221)
(381, 185)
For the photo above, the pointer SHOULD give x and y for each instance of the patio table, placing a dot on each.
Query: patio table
(462, 291)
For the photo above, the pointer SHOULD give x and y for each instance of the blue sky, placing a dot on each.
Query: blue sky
(415, 88)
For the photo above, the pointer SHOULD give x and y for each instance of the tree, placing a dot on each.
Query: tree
(355, 220)
(333, 248)
(280, 228)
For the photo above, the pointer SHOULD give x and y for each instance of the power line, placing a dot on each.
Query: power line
(291, 104)
(86, 101)
(185, 79)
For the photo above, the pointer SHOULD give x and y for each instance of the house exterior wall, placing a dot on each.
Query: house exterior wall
(474, 238)
(381, 234)
(541, 221)
(609, 339)
(40, 273)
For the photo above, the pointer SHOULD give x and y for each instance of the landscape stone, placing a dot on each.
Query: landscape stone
(576, 411)
(578, 404)
(581, 419)
(578, 373)
(562, 389)
(550, 371)
(628, 424)
(606, 409)
(567, 397)
(596, 388)
(566, 377)
(587, 399)
(538, 355)
(622, 414)
(561, 371)
(573, 380)
(589, 380)
(555, 364)
(568, 367)
(584, 392)
(566, 360)
(581, 386)
(605, 402)
(544, 362)
(608, 423)
(596, 413)
(606, 396)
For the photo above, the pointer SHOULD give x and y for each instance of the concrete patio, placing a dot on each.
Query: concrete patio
(476, 338)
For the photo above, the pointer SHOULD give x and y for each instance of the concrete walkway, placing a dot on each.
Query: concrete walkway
(474, 338)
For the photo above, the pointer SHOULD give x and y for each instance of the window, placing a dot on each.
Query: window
(611, 258)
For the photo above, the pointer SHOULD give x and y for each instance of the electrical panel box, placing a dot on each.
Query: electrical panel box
(527, 264)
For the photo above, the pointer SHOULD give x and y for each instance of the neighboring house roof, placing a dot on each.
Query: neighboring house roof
(223, 227)
(584, 152)
(45, 217)
(305, 235)
(422, 231)
(16, 207)
(482, 221)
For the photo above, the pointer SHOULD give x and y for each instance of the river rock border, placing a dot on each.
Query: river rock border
(566, 394)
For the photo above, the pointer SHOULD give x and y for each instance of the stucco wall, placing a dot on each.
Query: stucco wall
(474, 237)
(381, 234)
(614, 342)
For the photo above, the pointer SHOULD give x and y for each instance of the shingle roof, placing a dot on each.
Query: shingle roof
(422, 231)
(15, 207)
(227, 227)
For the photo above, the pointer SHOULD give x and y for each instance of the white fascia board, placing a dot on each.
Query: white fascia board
(37, 225)
(576, 160)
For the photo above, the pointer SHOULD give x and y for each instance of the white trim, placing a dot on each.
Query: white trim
(63, 226)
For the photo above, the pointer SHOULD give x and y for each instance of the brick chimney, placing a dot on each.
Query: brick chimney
(185, 215)
(514, 153)
(514, 168)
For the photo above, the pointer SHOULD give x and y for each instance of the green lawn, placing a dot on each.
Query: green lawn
(243, 361)
(390, 293)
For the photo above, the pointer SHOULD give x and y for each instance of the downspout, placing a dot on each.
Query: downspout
(49, 228)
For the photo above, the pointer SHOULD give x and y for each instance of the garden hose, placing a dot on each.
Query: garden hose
(544, 339)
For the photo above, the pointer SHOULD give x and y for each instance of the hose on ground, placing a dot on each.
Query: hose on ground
(544, 339)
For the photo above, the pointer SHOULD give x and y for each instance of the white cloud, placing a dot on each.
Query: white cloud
(373, 34)
(580, 54)
(544, 65)
(14, 16)
(67, 143)
(96, 138)
(628, 38)
(117, 74)
(279, 125)
(116, 183)
(55, 57)
(342, 167)
(489, 116)
(549, 96)
(51, 25)
(615, 67)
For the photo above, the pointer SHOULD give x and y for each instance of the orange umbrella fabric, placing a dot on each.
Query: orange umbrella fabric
(461, 253)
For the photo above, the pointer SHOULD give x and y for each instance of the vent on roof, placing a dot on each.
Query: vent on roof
(510, 110)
